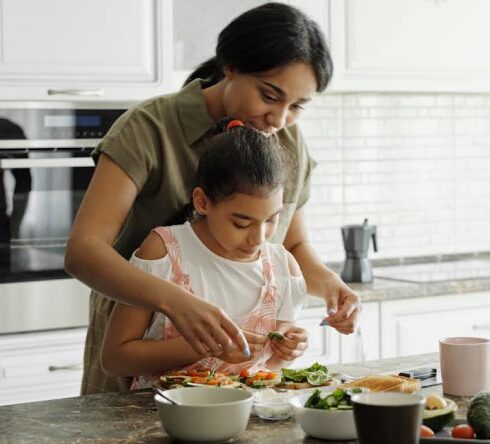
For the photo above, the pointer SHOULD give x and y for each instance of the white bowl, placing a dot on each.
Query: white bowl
(205, 413)
(324, 424)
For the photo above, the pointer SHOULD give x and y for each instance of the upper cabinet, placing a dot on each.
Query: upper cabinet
(111, 49)
(410, 45)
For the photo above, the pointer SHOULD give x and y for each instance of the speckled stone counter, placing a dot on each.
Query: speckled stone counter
(383, 289)
(125, 418)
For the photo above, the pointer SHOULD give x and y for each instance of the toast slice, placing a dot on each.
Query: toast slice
(386, 383)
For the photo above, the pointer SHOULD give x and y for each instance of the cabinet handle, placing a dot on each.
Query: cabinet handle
(361, 355)
(76, 92)
(71, 367)
(481, 327)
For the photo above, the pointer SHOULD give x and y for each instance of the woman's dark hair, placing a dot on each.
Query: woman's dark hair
(267, 37)
(240, 160)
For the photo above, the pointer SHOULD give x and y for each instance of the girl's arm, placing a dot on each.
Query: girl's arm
(124, 351)
(343, 305)
(91, 258)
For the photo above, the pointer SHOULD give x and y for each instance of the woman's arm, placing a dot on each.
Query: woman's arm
(91, 258)
(341, 301)
(125, 353)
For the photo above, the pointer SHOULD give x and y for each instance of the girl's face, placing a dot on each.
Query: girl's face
(270, 100)
(236, 227)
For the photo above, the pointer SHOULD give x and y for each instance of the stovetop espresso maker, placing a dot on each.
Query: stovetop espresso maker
(357, 267)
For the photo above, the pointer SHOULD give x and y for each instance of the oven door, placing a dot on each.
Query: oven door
(40, 192)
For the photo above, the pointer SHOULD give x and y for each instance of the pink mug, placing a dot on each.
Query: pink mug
(465, 365)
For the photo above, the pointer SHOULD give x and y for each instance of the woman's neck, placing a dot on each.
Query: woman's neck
(213, 95)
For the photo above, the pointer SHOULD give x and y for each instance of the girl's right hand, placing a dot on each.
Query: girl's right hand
(236, 356)
(207, 328)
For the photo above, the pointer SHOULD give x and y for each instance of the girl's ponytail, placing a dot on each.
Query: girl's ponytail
(210, 71)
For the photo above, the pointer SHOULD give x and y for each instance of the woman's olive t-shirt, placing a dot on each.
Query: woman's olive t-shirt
(158, 144)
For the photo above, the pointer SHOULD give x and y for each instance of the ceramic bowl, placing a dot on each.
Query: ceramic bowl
(324, 424)
(208, 414)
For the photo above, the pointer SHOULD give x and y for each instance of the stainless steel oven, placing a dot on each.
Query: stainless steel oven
(45, 168)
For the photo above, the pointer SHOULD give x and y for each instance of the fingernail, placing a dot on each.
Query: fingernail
(331, 311)
(324, 323)
(246, 352)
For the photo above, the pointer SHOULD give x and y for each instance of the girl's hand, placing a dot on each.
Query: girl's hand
(207, 328)
(235, 356)
(293, 345)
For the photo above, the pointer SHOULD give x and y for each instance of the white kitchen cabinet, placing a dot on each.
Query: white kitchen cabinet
(56, 49)
(40, 366)
(364, 344)
(324, 344)
(407, 45)
(413, 326)
(195, 33)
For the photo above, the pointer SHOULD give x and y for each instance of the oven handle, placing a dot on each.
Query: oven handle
(61, 162)
(76, 92)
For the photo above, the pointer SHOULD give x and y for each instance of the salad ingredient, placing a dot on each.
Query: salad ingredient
(276, 335)
(436, 419)
(339, 399)
(426, 432)
(463, 431)
(435, 402)
(301, 375)
(269, 404)
(479, 415)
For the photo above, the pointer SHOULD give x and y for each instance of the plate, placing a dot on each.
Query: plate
(444, 436)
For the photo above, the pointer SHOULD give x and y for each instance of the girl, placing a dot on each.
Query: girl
(269, 62)
(225, 257)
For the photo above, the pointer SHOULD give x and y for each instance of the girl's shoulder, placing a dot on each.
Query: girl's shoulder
(284, 262)
(152, 248)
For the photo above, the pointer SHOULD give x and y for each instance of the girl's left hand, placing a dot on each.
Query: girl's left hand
(293, 345)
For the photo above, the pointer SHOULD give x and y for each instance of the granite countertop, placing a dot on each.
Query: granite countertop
(124, 418)
(384, 289)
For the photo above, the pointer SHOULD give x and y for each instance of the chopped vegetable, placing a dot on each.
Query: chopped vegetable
(463, 431)
(436, 419)
(276, 335)
(301, 375)
(426, 432)
(339, 399)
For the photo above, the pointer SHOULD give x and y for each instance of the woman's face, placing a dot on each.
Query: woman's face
(270, 100)
(236, 227)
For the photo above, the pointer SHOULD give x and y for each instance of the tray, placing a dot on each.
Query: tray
(444, 436)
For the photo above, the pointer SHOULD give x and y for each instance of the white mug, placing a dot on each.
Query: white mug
(465, 365)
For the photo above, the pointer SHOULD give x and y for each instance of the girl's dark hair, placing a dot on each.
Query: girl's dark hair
(267, 37)
(240, 160)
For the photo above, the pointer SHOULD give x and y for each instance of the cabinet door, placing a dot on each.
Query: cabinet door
(415, 326)
(406, 45)
(58, 49)
(323, 341)
(40, 366)
(364, 344)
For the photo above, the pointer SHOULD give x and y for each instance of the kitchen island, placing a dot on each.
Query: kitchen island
(125, 418)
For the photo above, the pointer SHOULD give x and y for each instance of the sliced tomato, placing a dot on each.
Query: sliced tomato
(463, 431)
(245, 373)
(260, 375)
(271, 375)
(202, 373)
(426, 432)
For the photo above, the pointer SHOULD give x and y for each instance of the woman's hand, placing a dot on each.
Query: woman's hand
(236, 356)
(293, 345)
(207, 328)
(343, 306)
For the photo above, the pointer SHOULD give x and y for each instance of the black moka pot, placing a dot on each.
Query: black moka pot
(357, 267)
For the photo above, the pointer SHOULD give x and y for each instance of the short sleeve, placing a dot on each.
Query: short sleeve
(294, 299)
(308, 164)
(133, 144)
(158, 267)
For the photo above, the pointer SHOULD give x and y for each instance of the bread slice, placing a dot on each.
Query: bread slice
(386, 383)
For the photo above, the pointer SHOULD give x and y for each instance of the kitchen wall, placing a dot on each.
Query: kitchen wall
(417, 165)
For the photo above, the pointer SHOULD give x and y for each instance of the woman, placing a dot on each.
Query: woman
(269, 62)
